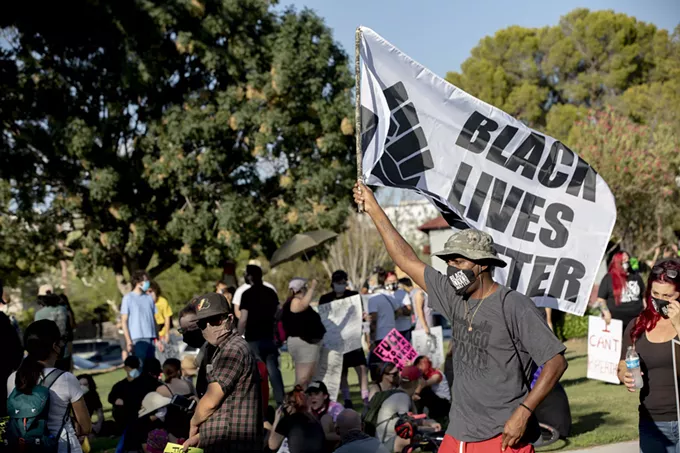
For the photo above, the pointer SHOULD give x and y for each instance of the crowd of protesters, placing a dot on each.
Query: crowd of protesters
(218, 399)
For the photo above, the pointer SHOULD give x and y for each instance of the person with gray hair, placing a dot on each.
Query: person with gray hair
(352, 438)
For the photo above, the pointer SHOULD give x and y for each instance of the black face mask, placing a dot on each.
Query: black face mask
(661, 306)
(392, 286)
(460, 279)
(194, 338)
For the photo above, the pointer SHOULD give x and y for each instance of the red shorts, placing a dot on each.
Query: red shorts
(451, 445)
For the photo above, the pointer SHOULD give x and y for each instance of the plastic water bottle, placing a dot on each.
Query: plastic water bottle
(633, 365)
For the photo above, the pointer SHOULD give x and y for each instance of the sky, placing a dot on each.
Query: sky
(439, 34)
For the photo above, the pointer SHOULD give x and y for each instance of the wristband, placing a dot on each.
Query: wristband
(527, 408)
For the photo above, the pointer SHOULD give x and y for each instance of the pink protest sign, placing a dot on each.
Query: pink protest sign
(396, 349)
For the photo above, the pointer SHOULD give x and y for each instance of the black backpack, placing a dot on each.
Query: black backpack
(371, 417)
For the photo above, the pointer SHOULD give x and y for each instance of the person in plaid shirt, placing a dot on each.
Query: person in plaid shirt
(228, 419)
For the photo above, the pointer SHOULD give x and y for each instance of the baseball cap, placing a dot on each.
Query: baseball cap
(317, 386)
(473, 245)
(152, 402)
(297, 284)
(212, 304)
(410, 373)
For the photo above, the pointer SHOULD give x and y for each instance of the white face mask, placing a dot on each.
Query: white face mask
(84, 388)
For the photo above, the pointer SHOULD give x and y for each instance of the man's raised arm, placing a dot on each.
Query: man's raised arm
(399, 250)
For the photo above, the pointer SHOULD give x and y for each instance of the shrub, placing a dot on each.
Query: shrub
(572, 326)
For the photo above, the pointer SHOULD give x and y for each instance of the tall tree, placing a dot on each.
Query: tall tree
(550, 77)
(641, 164)
(357, 251)
(173, 132)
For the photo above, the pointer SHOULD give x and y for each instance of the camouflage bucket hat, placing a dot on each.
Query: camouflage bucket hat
(473, 245)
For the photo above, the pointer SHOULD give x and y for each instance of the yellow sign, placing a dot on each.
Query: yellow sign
(175, 448)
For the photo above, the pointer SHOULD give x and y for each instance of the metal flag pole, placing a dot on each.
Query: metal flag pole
(357, 107)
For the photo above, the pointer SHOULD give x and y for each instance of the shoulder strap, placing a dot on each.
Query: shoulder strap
(66, 419)
(525, 380)
(169, 389)
(49, 380)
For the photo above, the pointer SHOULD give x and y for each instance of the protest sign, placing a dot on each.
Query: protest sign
(604, 349)
(548, 211)
(176, 448)
(342, 319)
(430, 345)
(328, 371)
(396, 349)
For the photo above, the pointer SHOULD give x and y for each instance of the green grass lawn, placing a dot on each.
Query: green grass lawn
(602, 413)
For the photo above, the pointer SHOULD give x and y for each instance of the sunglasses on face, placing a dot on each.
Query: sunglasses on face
(214, 321)
(671, 273)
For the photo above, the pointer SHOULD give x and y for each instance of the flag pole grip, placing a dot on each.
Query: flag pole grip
(357, 108)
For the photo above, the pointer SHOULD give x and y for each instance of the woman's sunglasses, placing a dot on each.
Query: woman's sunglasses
(671, 273)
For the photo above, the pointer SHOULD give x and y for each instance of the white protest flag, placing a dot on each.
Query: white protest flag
(549, 212)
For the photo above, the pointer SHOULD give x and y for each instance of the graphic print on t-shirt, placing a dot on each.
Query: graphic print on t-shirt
(631, 293)
(470, 348)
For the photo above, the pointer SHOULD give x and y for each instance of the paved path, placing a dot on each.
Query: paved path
(626, 447)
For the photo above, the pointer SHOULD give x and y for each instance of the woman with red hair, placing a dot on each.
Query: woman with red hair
(651, 334)
(621, 290)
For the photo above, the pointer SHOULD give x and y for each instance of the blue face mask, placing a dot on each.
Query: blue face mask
(146, 285)
(134, 374)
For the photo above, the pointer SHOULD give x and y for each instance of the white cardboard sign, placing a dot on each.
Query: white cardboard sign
(604, 349)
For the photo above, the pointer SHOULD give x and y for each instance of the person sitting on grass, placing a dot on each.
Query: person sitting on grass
(387, 378)
(325, 410)
(294, 422)
(119, 397)
(433, 392)
(173, 383)
(353, 439)
(397, 403)
(92, 401)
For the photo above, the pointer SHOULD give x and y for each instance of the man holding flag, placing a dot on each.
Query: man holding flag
(497, 334)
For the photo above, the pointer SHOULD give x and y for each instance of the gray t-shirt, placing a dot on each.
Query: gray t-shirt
(397, 404)
(487, 383)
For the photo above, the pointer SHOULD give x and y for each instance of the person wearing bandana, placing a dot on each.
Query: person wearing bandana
(229, 417)
(497, 335)
(652, 333)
